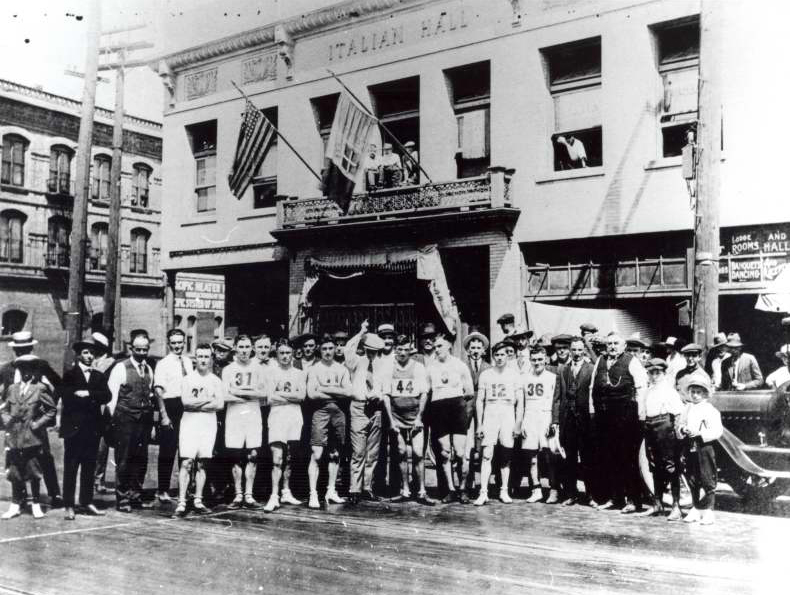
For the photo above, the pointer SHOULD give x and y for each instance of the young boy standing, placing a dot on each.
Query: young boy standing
(499, 413)
(662, 407)
(202, 396)
(701, 425)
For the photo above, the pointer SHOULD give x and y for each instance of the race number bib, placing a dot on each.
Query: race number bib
(534, 390)
(403, 387)
(243, 379)
(285, 387)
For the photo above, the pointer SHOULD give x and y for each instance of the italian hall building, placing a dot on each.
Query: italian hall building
(550, 135)
(39, 131)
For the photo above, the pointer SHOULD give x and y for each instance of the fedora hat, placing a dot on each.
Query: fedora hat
(719, 341)
(476, 335)
(734, 340)
(22, 339)
(521, 331)
(783, 350)
(101, 341)
(636, 339)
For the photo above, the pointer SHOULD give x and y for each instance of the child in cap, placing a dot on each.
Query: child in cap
(28, 410)
(701, 426)
(661, 411)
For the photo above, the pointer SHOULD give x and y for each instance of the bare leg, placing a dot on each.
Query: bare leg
(286, 469)
(313, 469)
(403, 461)
(444, 460)
(418, 458)
(183, 479)
(249, 475)
(277, 466)
(200, 480)
(459, 444)
(334, 465)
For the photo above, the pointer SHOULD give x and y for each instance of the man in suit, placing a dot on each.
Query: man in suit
(84, 392)
(571, 416)
(740, 371)
(476, 345)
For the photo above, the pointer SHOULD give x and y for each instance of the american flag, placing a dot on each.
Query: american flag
(255, 139)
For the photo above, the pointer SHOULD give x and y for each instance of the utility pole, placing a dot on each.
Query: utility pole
(111, 317)
(76, 290)
(706, 225)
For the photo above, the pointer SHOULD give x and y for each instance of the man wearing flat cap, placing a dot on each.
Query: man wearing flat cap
(476, 346)
(425, 346)
(507, 322)
(562, 354)
(84, 392)
(308, 343)
(693, 354)
(740, 371)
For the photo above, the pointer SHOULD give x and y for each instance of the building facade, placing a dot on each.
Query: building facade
(550, 134)
(39, 134)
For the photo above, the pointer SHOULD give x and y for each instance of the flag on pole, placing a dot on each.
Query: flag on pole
(345, 151)
(255, 140)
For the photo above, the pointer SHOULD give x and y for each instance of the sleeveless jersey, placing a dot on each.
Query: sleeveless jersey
(539, 391)
(334, 375)
(251, 375)
(291, 380)
(407, 384)
(500, 388)
(447, 378)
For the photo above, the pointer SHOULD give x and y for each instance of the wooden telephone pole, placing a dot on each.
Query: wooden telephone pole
(706, 225)
(76, 290)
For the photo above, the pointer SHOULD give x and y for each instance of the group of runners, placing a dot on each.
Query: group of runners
(555, 411)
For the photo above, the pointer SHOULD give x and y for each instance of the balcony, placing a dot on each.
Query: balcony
(484, 196)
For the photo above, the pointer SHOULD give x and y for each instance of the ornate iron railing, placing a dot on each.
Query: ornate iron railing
(489, 191)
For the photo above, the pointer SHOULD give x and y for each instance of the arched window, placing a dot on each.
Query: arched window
(140, 178)
(139, 251)
(101, 177)
(11, 239)
(58, 245)
(98, 253)
(13, 321)
(14, 147)
(60, 170)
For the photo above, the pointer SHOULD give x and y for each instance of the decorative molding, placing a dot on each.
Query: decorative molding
(516, 6)
(285, 49)
(168, 79)
(198, 84)
(222, 250)
(262, 67)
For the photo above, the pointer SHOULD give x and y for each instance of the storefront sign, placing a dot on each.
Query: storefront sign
(753, 254)
(196, 294)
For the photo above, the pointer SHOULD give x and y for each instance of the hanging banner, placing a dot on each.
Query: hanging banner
(429, 268)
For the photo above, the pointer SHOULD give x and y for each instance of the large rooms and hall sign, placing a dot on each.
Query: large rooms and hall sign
(753, 254)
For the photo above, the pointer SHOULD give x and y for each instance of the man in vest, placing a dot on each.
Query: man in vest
(131, 386)
(619, 381)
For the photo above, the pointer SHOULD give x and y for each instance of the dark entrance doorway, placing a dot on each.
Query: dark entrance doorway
(256, 298)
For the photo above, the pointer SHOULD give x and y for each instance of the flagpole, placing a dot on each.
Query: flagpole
(380, 123)
(285, 140)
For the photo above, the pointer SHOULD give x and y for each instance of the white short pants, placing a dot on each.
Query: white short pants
(498, 424)
(537, 423)
(197, 434)
(285, 423)
(243, 425)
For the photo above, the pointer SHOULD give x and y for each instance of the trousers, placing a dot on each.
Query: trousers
(131, 457)
(168, 443)
(621, 438)
(365, 443)
(702, 475)
(575, 438)
(79, 454)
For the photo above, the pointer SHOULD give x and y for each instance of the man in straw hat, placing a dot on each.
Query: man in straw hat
(741, 370)
(781, 375)
(84, 392)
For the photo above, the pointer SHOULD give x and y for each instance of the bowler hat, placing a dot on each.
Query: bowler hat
(22, 339)
(476, 336)
(373, 342)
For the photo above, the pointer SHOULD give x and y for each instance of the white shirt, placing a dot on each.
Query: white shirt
(118, 377)
(661, 398)
(778, 377)
(169, 375)
(198, 387)
(450, 378)
(638, 373)
(500, 387)
(705, 420)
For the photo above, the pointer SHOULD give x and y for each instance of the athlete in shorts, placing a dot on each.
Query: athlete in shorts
(245, 387)
(405, 402)
(288, 391)
(328, 382)
(541, 391)
(450, 382)
(202, 396)
(499, 410)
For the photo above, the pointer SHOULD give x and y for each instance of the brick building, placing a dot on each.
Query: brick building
(39, 131)
(498, 97)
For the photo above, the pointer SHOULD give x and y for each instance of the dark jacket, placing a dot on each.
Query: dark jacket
(749, 372)
(41, 367)
(26, 417)
(82, 413)
(574, 392)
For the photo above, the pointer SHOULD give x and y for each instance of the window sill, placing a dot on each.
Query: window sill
(15, 189)
(208, 220)
(571, 174)
(664, 163)
(261, 213)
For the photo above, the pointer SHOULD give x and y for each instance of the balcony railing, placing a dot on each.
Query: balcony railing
(631, 276)
(490, 191)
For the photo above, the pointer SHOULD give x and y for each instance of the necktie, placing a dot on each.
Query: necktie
(476, 365)
(183, 367)
(87, 373)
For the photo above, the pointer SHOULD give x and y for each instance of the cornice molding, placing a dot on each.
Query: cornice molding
(296, 26)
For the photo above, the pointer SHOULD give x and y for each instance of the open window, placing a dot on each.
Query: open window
(677, 49)
(470, 88)
(397, 105)
(324, 108)
(203, 141)
(574, 78)
(264, 184)
(98, 251)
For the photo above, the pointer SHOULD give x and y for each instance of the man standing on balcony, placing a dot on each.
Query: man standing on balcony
(410, 166)
(372, 169)
(391, 169)
(168, 381)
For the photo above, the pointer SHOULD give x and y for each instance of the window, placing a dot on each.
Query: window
(140, 177)
(13, 321)
(98, 252)
(14, 147)
(264, 184)
(574, 77)
(11, 239)
(101, 177)
(60, 170)
(138, 251)
(203, 140)
(58, 244)
(324, 111)
(677, 47)
(397, 105)
(470, 87)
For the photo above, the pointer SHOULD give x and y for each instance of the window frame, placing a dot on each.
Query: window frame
(136, 236)
(466, 167)
(59, 181)
(99, 248)
(13, 160)
(59, 241)
(12, 250)
(263, 195)
(141, 192)
(202, 138)
(97, 183)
